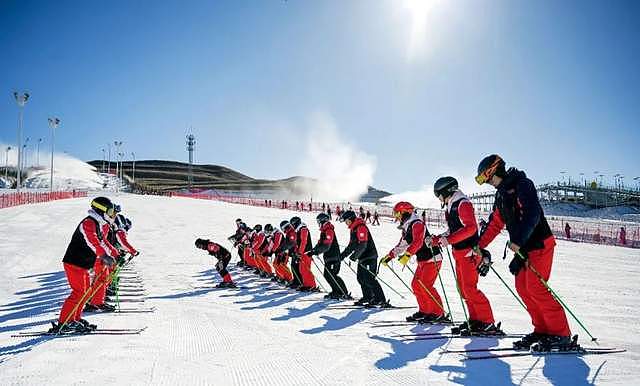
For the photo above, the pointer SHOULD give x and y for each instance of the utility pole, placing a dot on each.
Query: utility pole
(6, 165)
(53, 124)
(21, 100)
(103, 159)
(191, 146)
(133, 155)
(38, 152)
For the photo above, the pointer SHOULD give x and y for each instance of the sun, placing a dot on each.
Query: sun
(419, 12)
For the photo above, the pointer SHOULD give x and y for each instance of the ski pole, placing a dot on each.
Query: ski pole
(455, 275)
(509, 288)
(377, 277)
(555, 295)
(334, 278)
(444, 292)
(318, 268)
(426, 290)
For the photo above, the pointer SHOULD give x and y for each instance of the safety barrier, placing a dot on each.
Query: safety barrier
(14, 199)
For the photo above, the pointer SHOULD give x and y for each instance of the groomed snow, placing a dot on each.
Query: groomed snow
(202, 336)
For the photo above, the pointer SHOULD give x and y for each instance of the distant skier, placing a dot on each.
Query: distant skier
(223, 256)
(368, 216)
(362, 249)
(277, 242)
(623, 236)
(303, 250)
(517, 207)
(376, 218)
(567, 231)
(88, 245)
(463, 238)
(328, 247)
(412, 242)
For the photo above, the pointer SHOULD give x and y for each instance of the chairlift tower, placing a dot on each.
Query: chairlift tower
(191, 147)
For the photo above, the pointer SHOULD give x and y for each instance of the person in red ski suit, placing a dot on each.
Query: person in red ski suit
(412, 242)
(223, 256)
(259, 246)
(517, 208)
(303, 251)
(88, 245)
(463, 238)
(280, 256)
(118, 237)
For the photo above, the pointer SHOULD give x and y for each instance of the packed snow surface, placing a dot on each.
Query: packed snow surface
(250, 336)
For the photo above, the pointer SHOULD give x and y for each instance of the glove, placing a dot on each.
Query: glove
(385, 260)
(220, 265)
(313, 252)
(517, 263)
(342, 255)
(121, 261)
(107, 260)
(485, 263)
(404, 259)
(352, 257)
(439, 240)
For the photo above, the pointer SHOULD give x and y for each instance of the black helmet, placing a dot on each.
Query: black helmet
(202, 243)
(322, 218)
(445, 186)
(104, 207)
(490, 166)
(348, 215)
(268, 229)
(257, 228)
(284, 224)
(123, 222)
(295, 221)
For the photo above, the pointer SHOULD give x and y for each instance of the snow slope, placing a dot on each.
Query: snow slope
(205, 336)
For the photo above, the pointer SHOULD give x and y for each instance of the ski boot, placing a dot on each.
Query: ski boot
(91, 308)
(378, 304)
(105, 307)
(346, 296)
(111, 291)
(527, 340)
(556, 343)
(440, 319)
(87, 325)
(72, 327)
(417, 317)
(222, 284)
(361, 302)
(331, 296)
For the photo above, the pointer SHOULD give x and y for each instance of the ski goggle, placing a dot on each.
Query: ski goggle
(397, 215)
(110, 211)
(488, 172)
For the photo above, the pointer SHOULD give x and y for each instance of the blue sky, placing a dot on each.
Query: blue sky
(550, 85)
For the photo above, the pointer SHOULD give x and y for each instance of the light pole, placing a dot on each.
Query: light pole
(117, 144)
(38, 152)
(6, 165)
(21, 100)
(121, 156)
(53, 124)
(109, 164)
(133, 173)
(103, 159)
(24, 153)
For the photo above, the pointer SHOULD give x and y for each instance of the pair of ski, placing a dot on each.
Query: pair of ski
(507, 352)
(99, 331)
(128, 311)
(356, 307)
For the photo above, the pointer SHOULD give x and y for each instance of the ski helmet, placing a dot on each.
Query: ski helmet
(295, 221)
(403, 210)
(201, 243)
(257, 228)
(284, 224)
(104, 207)
(322, 218)
(268, 229)
(445, 186)
(490, 166)
(348, 215)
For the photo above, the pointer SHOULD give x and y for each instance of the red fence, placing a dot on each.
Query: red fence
(14, 199)
(586, 231)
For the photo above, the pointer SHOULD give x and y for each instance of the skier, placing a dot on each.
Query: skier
(516, 206)
(463, 238)
(236, 238)
(567, 231)
(118, 237)
(276, 248)
(259, 247)
(289, 248)
(88, 245)
(223, 256)
(362, 249)
(376, 218)
(328, 246)
(303, 249)
(412, 242)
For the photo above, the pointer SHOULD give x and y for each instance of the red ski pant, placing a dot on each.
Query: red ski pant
(248, 258)
(467, 275)
(282, 271)
(429, 301)
(100, 282)
(308, 280)
(547, 315)
(79, 282)
(263, 264)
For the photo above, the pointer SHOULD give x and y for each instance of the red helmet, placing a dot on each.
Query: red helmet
(401, 208)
